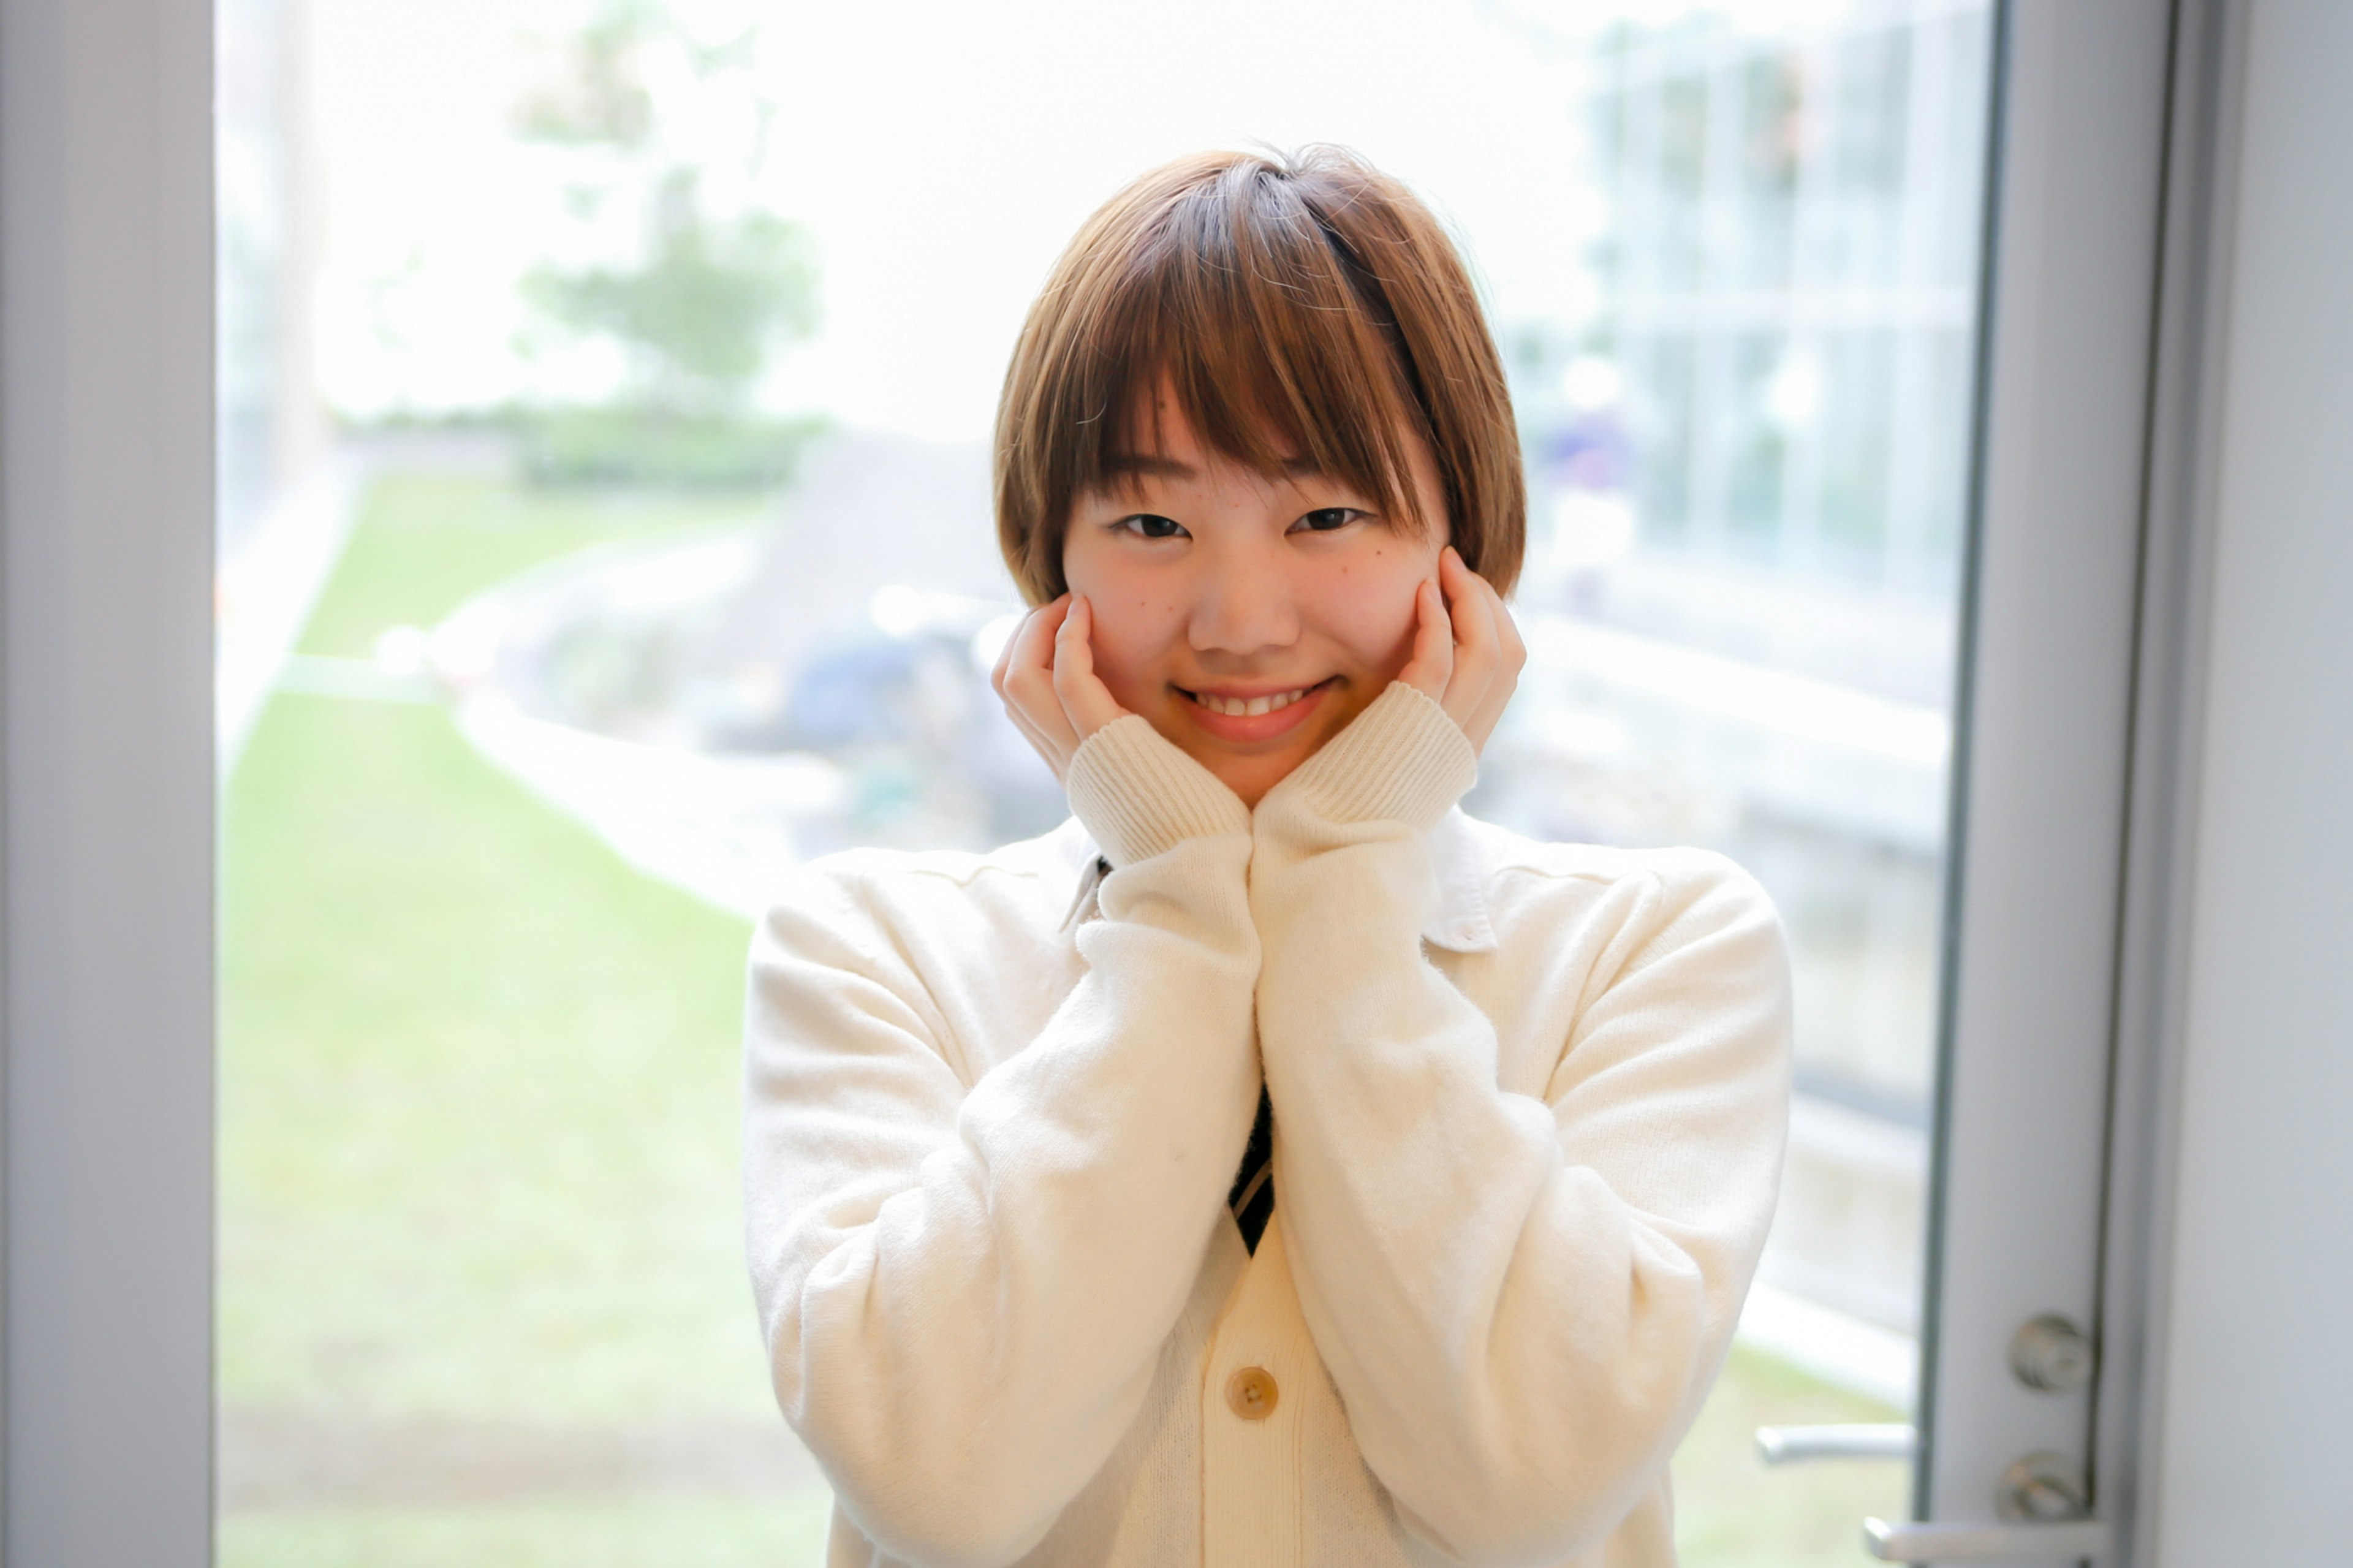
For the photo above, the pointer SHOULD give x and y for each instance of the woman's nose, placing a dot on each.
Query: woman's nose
(1243, 604)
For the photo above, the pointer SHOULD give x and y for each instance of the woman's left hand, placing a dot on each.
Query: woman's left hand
(1467, 654)
(1047, 676)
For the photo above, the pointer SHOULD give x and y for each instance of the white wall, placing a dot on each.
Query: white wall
(2258, 1359)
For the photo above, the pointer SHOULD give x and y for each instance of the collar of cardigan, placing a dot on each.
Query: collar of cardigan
(1458, 922)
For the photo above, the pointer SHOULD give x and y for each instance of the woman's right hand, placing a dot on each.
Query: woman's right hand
(1047, 676)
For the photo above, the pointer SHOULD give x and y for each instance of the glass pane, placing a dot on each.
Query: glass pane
(606, 392)
(1747, 635)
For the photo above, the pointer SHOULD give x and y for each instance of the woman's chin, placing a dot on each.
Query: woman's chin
(1249, 775)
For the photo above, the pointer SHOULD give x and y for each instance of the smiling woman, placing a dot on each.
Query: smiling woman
(1276, 1163)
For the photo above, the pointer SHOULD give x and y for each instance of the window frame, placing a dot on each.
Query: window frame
(106, 777)
(2076, 734)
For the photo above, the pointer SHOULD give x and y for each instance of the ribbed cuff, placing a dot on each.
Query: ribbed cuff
(1401, 760)
(1139, 795)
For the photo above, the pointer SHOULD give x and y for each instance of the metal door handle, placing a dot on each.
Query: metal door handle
(1791, 1444)
(1985, 1543)
(2042, 1504)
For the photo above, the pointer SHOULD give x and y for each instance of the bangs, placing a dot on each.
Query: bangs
(1298, 313)
(1267, 335)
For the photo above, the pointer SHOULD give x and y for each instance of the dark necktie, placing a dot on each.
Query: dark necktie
(1252, 1198)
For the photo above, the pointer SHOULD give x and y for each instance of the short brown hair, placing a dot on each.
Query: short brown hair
(1305, 308)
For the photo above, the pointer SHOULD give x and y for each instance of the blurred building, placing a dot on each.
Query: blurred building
(1747, 463)
(1783, 328)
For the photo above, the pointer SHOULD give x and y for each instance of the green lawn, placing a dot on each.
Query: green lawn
(535, 1533)
(427, 542)
(477, 1164)
(478, 1234)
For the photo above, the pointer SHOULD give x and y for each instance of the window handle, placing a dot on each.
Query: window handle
(1796, 1445)
(2043, 1506)
(1985, 1543)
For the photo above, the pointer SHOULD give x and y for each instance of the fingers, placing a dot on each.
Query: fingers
(1005, 655)
(1515, 648)
(1471, 604)
(1031, 644)
(1086, 701)
(1489, 650)
(1475, 639)
(1432, 667)
(1512, 651)
(1024, 678)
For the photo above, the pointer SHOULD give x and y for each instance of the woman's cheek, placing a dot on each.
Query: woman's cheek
(1123, 611)
(1123, 662)
(1372, 616)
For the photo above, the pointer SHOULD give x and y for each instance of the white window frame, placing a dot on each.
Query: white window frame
(2041, 776)
(106, 785)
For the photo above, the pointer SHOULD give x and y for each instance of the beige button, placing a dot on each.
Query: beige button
(1251, 1392)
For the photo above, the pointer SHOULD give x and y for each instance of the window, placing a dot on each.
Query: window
(1709, 426)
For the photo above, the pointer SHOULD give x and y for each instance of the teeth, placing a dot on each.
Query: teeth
(1249, 706)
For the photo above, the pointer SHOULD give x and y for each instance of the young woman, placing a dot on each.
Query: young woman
(1273, 1164)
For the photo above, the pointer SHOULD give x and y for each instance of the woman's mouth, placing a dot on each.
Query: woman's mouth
(1249, 706)
(1247, 715)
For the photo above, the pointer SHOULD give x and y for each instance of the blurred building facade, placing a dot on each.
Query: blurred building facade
(1748, 469)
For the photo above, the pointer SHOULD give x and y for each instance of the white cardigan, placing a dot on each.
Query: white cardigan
(1529, 1106)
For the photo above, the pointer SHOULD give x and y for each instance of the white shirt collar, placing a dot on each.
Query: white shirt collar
(1459, 923)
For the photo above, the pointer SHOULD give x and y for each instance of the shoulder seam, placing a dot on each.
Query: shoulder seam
(981, 866)
(863, 867)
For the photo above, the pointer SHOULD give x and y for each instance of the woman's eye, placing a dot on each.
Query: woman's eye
(1323, 520)
(1151, 525)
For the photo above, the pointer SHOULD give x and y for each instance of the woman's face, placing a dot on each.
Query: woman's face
(1249, 619)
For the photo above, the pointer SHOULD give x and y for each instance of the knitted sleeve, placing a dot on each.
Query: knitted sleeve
(1522, 1301)
(965, 1288)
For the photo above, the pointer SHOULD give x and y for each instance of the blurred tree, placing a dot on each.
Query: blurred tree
(698, 294)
